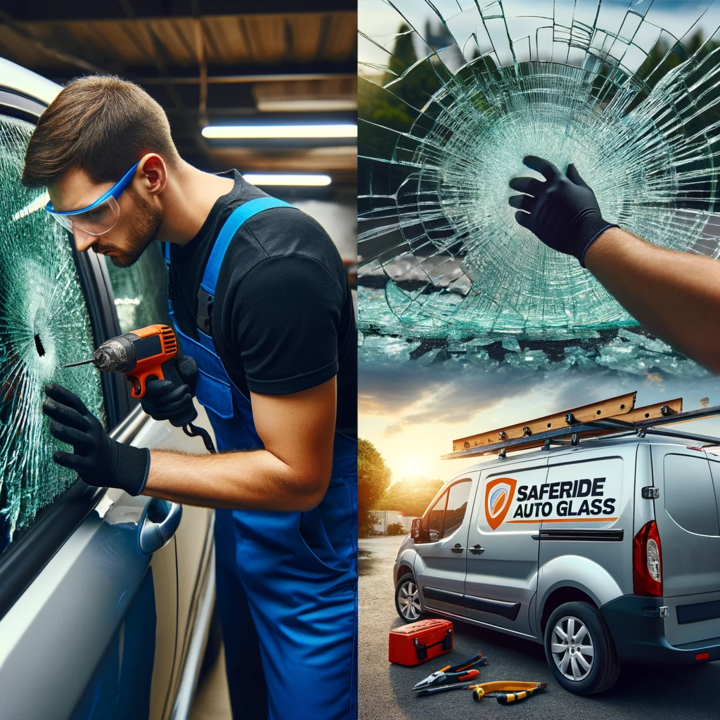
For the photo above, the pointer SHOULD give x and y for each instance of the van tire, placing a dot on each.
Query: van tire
(604, 666)
(407, 596)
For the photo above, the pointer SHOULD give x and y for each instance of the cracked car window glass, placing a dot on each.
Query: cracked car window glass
(140, 291)
(44, 324)
(453, 95)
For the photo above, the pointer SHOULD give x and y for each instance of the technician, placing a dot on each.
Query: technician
(675, 295)
(261, 302)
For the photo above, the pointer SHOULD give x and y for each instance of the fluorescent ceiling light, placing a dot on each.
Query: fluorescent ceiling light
(345, 130)
(270, 179)
(271, 104)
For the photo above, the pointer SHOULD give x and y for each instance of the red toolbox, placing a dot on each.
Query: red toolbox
(420, 641)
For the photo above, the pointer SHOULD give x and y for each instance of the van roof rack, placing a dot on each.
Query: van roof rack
(616, 416)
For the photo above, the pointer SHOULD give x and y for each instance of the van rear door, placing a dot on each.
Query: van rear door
(687, 519)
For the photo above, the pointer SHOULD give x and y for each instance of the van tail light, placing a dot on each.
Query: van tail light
(647, 561)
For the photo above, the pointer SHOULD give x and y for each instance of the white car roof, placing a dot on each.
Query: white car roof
(26, 82)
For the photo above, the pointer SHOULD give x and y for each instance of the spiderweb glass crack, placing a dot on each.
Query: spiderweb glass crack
(453, 95)
(43, 324)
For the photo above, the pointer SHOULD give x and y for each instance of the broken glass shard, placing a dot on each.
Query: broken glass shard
(454, 93)
(43, 324)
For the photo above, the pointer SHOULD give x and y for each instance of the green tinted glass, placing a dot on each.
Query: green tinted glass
(43, 324)
(141, 290)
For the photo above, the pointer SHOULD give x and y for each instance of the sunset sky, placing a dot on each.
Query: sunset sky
(412, 414)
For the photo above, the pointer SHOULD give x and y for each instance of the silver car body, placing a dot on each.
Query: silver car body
(125, 565)
(548, 527)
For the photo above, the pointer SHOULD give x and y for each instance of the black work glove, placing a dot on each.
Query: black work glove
(166, 400)
(98, 459)
(564, 212)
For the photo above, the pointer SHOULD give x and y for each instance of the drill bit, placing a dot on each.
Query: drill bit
(83, 362)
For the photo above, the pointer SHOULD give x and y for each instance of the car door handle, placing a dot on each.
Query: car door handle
(159, 523)
(477, 550)
(457, 548)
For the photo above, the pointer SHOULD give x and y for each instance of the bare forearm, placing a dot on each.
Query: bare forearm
(255, 480)
(675, 295)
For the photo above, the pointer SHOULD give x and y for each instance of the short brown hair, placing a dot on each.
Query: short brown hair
(100, 124)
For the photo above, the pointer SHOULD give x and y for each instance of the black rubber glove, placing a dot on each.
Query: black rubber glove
(563, 212)
(98, 459)
(165, 400)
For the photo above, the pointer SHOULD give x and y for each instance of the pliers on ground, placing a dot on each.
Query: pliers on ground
(465, 670)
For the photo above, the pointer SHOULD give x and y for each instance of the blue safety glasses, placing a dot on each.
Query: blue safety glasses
(99, 217)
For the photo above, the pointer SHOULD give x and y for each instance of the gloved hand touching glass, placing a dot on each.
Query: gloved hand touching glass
(562, 211)
(169, 399)
(97, 458)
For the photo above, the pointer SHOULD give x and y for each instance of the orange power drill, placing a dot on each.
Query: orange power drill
(143, 355)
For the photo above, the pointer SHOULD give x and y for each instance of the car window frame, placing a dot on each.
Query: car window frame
(23, 560)
(426, 516)
(445, 490)
(467, 480)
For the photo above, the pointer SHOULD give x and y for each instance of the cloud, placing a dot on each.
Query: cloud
(407, 395)
(412, 395)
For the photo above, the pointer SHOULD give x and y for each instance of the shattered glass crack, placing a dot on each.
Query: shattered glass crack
(43, 324)
(453, 95)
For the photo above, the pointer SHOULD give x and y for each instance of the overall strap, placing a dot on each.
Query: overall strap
(206, 294)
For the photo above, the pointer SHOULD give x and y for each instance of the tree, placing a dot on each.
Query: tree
(395, 529)
(373, 481)
(410, 498)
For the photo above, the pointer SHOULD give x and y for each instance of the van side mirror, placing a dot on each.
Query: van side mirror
(418, 533)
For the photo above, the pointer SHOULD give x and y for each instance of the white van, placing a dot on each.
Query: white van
(606, 551)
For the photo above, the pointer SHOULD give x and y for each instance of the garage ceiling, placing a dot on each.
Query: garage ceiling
(206, 63)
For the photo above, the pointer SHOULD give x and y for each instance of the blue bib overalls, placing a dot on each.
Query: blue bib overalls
(286, 581)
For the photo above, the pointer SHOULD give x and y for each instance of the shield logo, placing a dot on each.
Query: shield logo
(499, 494)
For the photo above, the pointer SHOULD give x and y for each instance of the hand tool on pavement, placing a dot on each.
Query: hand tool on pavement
(507, 698)
(465, 670)
(503, 687)
(144, 354)
(445, 688)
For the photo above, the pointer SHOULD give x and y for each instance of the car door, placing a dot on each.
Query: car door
(440, 566)
(88, 595)
(502, 560)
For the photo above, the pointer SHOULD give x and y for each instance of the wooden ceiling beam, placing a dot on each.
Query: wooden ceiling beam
(90, 10)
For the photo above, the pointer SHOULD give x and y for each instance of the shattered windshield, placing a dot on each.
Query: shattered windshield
(453, 94)
(43, 324)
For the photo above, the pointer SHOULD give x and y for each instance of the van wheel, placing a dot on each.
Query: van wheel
(580, 649)
(407, 599)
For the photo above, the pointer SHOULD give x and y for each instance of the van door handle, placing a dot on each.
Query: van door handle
(457, 548)
(477, 550)
(159, 523)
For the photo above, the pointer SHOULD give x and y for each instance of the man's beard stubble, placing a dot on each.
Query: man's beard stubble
(142, 230)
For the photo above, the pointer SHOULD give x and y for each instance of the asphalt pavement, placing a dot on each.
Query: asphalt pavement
(385, 690)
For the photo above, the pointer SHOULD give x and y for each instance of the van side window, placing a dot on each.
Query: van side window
(689, 494)
(456, 507)
(435, 518)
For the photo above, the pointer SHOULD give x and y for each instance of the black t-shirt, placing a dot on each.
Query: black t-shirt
(283, 318)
